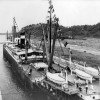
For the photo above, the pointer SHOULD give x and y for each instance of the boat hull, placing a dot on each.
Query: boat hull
(9, 57)
(56, 78)
(17, 68)
(83, 75)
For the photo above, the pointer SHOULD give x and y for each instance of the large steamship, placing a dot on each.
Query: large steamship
(36, 66)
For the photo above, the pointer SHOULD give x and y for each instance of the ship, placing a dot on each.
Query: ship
(28, 61)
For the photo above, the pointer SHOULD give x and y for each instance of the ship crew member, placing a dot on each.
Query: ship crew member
(80, 88)
(77, 85)
(86, 88)
(30, 71)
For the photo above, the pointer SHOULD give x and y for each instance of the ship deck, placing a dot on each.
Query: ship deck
(40, 78)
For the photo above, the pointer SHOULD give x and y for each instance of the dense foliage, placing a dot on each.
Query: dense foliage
(66, 32)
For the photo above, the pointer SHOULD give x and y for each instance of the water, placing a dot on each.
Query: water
(13, 88)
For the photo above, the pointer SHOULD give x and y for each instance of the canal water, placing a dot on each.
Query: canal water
(12, 87)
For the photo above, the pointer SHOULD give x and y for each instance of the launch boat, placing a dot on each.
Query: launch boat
(57, 78)
(83, 75)
(89, 70)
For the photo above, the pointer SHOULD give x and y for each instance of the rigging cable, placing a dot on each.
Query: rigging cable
(61, 47)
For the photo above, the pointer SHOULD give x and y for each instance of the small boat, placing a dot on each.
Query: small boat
(57, 78)
(60, 61)
(83, 75)
(39, 65)
(89, 70)
(73, 65)
(92, 71)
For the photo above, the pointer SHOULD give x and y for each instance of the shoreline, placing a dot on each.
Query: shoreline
(91, 58)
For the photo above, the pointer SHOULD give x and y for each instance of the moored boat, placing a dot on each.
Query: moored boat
(83, 75)
(57, 78)
(39, 65)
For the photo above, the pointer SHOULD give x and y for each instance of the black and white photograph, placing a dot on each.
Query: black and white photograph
(49, 49)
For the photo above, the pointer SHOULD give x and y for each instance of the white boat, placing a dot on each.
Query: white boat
(38, 65)
(89, 70)
(60, 61)
(92, 71)
(57, 78)
(83, 75)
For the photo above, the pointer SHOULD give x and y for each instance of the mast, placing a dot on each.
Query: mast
(50, 23)
(27, 45)
(53, 44)
(52, 20)
(45, 43)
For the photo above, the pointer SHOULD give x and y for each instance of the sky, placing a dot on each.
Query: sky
(69, 12)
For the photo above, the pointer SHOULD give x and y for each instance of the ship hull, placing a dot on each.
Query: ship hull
(9, 57)
(14, 65)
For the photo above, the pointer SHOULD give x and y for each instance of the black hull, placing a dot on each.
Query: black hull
(14, 66)
(9, 58)
(18, 71)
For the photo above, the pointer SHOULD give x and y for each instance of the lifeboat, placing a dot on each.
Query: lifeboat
(57, 77)
(83, 75)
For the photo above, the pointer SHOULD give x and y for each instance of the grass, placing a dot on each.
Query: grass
(92, 43)
(90, 59)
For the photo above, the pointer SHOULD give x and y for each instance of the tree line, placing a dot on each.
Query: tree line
(65, 32)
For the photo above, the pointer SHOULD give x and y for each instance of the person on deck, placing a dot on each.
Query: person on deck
(86, 88)
(30, 71)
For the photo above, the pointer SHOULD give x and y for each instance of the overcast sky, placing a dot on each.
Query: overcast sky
(70, 12)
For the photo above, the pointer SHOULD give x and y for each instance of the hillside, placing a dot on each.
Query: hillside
(66, 32)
